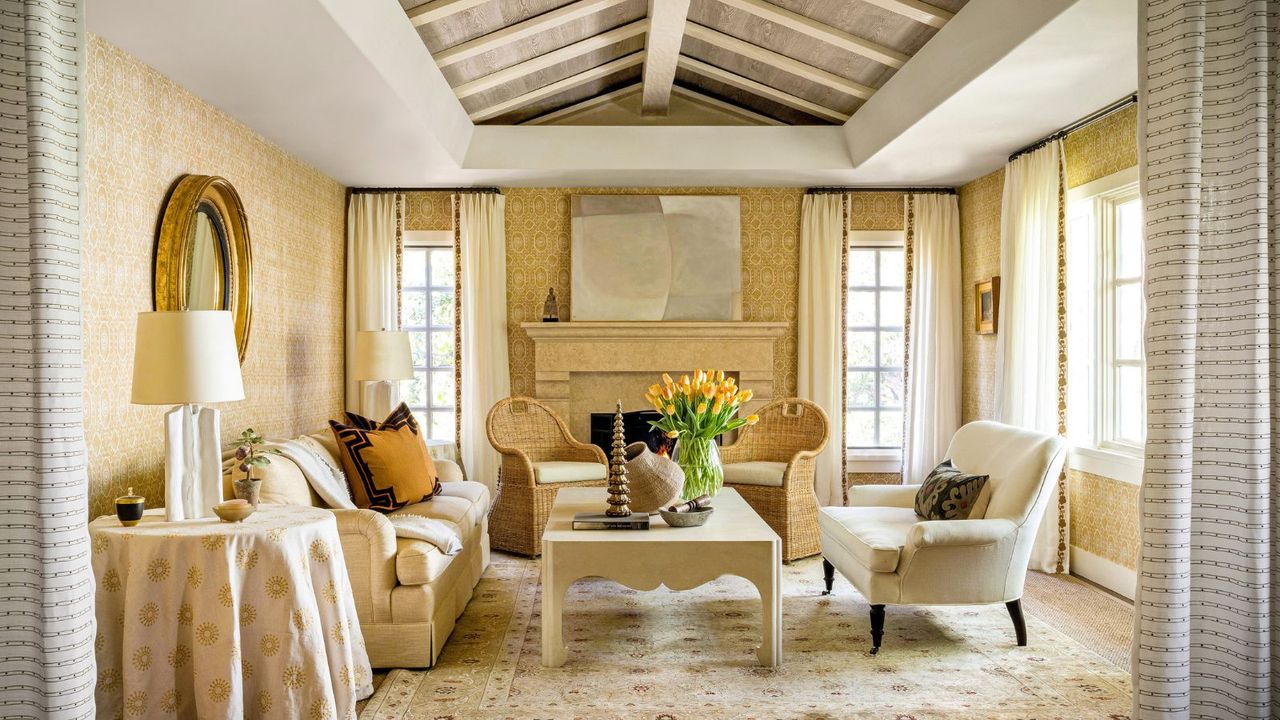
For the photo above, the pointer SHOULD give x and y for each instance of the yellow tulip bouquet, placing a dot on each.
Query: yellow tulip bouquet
(695, 410)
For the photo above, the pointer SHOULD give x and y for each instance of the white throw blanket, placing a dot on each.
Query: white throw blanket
(330, 483)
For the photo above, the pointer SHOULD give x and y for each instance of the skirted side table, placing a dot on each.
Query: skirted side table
(202, 618)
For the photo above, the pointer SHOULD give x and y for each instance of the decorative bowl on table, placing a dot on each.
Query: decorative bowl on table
(696, 518)
(233, 510)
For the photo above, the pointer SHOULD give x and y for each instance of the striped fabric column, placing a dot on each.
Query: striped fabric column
(46, 586)
(1205, 641)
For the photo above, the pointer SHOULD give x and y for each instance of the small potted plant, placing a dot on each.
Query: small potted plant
(251, 454)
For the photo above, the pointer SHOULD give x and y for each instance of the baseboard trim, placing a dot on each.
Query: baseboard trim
(1110, 575)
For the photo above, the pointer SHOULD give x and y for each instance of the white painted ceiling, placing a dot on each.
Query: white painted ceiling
(349, 87)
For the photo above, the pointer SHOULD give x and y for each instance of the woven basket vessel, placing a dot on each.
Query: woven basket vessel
(653, 481)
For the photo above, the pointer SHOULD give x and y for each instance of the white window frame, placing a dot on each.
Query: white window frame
(875, 460)
(430, 240)
(1092, 259)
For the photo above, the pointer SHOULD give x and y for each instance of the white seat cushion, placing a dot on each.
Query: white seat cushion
(755, 473)
(874, 536)
(550, 472)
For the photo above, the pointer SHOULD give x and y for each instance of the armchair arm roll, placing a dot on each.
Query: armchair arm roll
(959, 533)
(369, 548)
(900, 496)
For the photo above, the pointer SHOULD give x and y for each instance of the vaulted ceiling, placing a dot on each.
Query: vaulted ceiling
(753, 62)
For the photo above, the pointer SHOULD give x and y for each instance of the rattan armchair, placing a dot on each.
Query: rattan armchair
(527, 433)
(790, 432)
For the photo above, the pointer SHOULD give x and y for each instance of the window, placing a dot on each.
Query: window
(427, 294)
(873, 393)
(1106, 314)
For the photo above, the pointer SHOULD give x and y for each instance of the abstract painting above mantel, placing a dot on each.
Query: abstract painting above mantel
(656, 257)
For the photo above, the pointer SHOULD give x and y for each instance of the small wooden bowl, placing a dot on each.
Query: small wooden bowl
(233, 513)
(696, 518)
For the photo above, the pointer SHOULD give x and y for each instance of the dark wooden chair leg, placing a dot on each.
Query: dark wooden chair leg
(1019, 624)
(877, 627)
(828, 575)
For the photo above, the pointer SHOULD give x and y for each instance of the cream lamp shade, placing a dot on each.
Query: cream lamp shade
(383, 355)
(186, 357)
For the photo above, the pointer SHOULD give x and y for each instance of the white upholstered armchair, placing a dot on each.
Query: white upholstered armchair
(895, 557)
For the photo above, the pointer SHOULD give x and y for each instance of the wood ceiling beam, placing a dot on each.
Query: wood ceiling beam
(546, 60)
(522, 30)
(726, 107)
(439, 9)
(662, 51)
(821, 31)
(559, 86)
(584, 105)
(756, 88)
(921, 12)
(778, 60)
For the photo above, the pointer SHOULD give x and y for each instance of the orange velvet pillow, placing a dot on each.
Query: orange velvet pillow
(386, 463)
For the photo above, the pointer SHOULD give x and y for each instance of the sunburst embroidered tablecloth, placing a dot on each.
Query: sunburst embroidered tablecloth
(202, 618)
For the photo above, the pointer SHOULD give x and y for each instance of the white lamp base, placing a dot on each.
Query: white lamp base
(377, 398)
(192, 463)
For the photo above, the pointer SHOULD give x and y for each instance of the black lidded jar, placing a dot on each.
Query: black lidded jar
(129, 508)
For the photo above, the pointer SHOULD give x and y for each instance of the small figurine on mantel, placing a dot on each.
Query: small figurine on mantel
(550, 312)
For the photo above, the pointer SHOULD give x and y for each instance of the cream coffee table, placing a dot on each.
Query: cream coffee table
(735, 541)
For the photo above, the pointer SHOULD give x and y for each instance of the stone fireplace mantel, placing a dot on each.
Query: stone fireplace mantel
(584, 367)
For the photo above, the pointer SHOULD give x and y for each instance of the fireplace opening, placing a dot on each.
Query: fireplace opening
(635, 428)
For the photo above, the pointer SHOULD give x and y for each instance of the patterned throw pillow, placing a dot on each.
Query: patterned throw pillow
(948, 494)
(386, 463)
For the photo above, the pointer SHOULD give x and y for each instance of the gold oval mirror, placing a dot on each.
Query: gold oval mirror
(202, 259)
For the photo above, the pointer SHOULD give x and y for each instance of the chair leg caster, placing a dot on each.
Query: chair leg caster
(877, 627)
(828, 575)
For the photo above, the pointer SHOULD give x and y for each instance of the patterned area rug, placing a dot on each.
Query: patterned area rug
(676, 656)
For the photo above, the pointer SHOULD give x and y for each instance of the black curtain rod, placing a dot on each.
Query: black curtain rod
(1089, 119)
(904, 190)
(377, 190)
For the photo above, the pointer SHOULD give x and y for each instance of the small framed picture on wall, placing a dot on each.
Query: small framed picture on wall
(986, 306)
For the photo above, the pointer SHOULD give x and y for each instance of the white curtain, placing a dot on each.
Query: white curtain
(1027, 390)
(1206, 632)
(934, 378)
(486, 375)
(46, 585)
(822, 327)
(371, 292)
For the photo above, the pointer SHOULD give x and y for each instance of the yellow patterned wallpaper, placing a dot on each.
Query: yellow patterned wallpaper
(143, 131)
(1104, 517)
(1104, 511)
(1103, 148)
(979, 260)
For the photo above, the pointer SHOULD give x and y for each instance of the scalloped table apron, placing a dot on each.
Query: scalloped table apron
(202, 618)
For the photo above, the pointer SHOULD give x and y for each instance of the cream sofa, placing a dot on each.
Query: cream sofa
(895, 557)
(408, 594)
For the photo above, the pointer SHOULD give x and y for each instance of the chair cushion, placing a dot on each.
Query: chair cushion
(874, 536)
(418, 562)
(550, 472)
(756, 472)
(948, 494)
(388, 466)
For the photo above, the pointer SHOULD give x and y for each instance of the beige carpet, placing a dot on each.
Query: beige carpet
(674, 656)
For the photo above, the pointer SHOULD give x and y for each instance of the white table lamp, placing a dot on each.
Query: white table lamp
(188, 359)
(382, 357)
